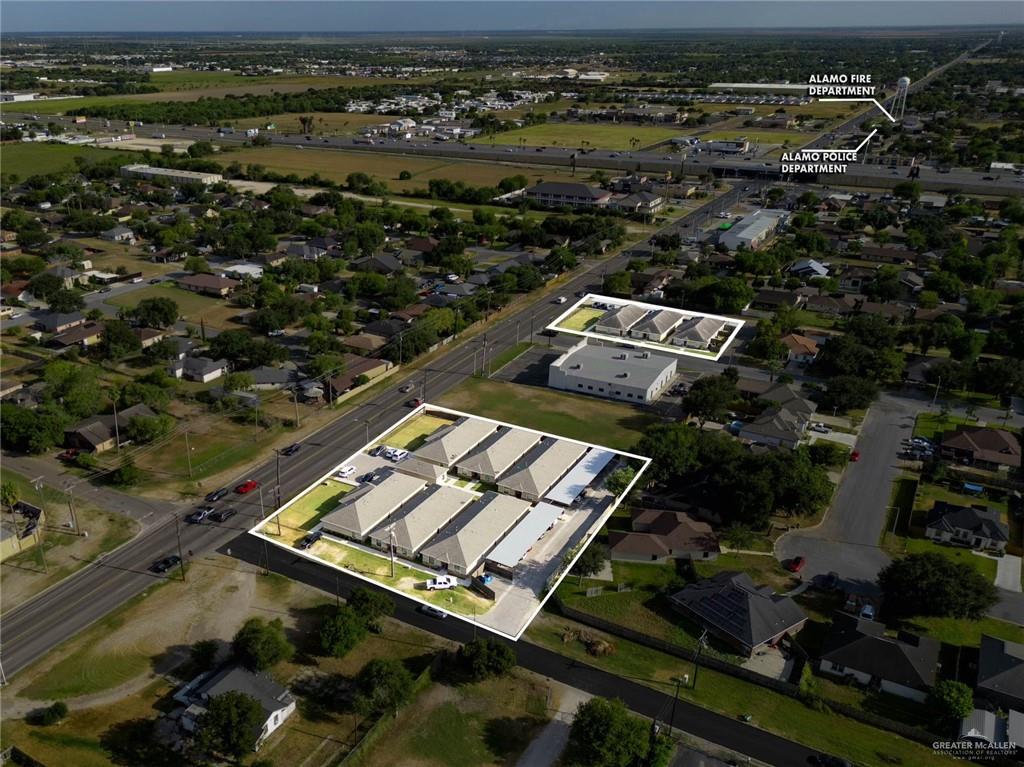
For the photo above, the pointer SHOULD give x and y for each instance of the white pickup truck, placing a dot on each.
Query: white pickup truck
(442, 582)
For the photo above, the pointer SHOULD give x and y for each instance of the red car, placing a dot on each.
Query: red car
(796, 564)
(69, 455)
(247, 487)
(855, 456)
(414, 402)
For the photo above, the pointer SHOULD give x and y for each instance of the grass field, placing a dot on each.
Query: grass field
(30, 159)
(307, 511)
(932, 425)
(214, 312)
(336, 165)
(965, 633)
(759, 136)
(602, 136)
(581, 319)
(815, 108)
(567, 415)
(411, 434)
(326, 123)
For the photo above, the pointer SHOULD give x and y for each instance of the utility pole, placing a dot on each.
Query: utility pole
(675, 699)
(277, 453)
(188, 454)
(117, 432)
(938, 385)
(71, 508)
(391, 547)
(181, 556)
(696, 660)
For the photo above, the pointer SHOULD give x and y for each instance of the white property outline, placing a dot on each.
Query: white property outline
(681, 351)
(472, 619)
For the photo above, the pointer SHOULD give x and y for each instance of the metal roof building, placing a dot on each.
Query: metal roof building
(605, 371)
(517, 544)
(423, 517)
(534, 475)
(366, 507)
(579, 477)
(461, 546)
(499, 451)
(445, 446)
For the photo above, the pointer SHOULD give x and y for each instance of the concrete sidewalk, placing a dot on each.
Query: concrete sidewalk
(546, 749)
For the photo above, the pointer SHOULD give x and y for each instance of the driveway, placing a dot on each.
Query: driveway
(1008, 572)
(546, 749)
(847, 539)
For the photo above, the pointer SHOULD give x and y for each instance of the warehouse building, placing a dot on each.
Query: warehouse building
(754, 231)
(541, 468)
(422, 517)
(152, 173)
(462, 545)
(363, 509)
(445, 446)
(496, 454)
(621, 374)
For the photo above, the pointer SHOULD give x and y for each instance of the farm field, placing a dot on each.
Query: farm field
(336, 165)
(602, 136)
(325, 123)
(30, 159)
(815, 108)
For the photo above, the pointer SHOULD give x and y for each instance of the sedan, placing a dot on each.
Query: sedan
(855, 456)
(247, 487)
(165, 564)
(197, 516)
(796, 564)
(310, 539)
(407, 388)
(223, 515)
(216, 495)
(415, 402)
(433, 612)
(292, 449)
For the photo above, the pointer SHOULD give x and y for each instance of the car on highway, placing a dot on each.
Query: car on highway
(855, 456)
(407, 388)
(796, 564)
(310, 539)
(292, 449)
(216, 495)
(223, 515)
(414, 402)
(105, 290)
(247, 487)
(433, 612)
(165, 564)
(561, 300)
(199, 515)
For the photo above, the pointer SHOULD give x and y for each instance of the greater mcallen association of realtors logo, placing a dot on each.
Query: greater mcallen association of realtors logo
(975, 749)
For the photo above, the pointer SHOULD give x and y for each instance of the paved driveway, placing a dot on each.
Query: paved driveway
(1008, 572)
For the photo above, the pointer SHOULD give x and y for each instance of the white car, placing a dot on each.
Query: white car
(389, 452)
(346, 472)
(561, 300)
(399, 455)
(723, 214)
(442, 582)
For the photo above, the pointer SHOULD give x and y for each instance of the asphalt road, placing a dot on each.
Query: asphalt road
(32, 629)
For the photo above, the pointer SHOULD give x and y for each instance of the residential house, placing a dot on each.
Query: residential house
(354, 370)
(57, 322)
(462, 545)
(537, 471)
(985, 727)
(644, 204)
(737, 611)
(366, 507)
(119, 233)
(99, 433)
(276, 703)
(784, 423)
(992, 449)
(381, 263)
(149, 336)
(657, 536)
(772, 300)
(619, 319)
(1001, 672)
(83, 335)
(208, 284)
(269, 378)
(697, 332)
(492, 457)
(859, 649)
(854, 279)
(656, 326)
(976, 527)
(200, 369)
(70, 278)
(800, 349)
(808, 268)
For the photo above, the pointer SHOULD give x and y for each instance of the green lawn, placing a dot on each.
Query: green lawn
(582, 318)
(932, 425)
(763, 570)
(771, 711)
(568, 415)
(191, 306)
(31, 159)
(601, 136)
(760, 136)
(966, 633)
(507, 356)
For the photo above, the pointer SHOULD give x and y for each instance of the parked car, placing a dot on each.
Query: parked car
(378, 450)
(216, 495)
(855, 456)
(223, 515)
(247, 487)
(399, 455)
(796, 564)
(165, 564)
(346, 472)
(868, 612)
(292, 449)
(367, 477)
(820, 428)
(442, 582)
(433, 612)
(275, 333)
(197, 516)
(310, 539)
(69, 455)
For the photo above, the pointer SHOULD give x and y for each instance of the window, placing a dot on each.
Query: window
(629, 394)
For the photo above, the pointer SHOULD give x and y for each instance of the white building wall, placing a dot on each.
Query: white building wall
(904, 692)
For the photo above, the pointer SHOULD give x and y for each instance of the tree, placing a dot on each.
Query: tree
(341, 631)
(709, 397)
(382, 686)
(604, 734)
(66, 301)
(618, 284)
(9, 494)
(849, 393)
(591, 561)
(118, 340)
(196, 265)
(238, 381)
(951, 700)
(931, 584)
(203, 654)
(259, 645)
(672, 448)
(143, 429)
(371, 605)
(619, 480)
(486, 657)
(127, 474)
(231, 724)
(156, 312)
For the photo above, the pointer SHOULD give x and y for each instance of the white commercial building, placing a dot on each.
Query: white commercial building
(605, 371)
(170, 174)
(754, 231)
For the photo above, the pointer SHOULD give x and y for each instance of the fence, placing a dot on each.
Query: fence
(708, 662)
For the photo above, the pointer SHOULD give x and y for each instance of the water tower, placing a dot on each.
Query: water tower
(899, 102)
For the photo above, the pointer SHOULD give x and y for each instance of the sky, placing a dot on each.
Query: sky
(341, 16)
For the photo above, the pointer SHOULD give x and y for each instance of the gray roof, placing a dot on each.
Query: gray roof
(53, 320)
(987, 523)
(536, 472)
(733, 605)
(775, 423)
(612, 366)
(568, 189)
(701, 329)
(202, 365)
(366, 507)
(1001, 667)
(789, 397)
(660, 321)
(862, 645)
(445, 446)
(476, 530)
(270, 695)
(622, 317)
(524, 535)
(424, 516)
(498, 452)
